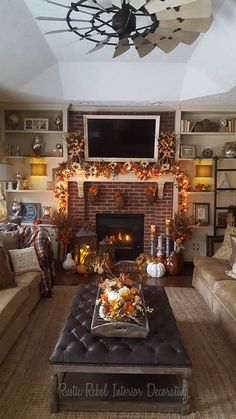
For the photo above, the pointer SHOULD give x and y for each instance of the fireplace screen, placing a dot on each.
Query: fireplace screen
(125, 231)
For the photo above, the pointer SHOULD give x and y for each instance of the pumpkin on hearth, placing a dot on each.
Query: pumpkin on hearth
(156, 270)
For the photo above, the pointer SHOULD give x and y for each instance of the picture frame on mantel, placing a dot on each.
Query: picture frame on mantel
(187, 151)
(201, 213)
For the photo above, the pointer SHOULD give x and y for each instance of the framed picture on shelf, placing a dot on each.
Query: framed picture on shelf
(201, 213)
(30, 211)
(187, 151)
(36, 124)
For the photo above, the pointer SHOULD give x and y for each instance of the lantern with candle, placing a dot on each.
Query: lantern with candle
(85, 242)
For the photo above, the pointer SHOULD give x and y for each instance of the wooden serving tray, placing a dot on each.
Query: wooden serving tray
(131, 329)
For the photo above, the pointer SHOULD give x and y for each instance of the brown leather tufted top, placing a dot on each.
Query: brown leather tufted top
(162, 347)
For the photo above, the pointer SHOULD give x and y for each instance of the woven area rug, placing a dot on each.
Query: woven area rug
(25, 376)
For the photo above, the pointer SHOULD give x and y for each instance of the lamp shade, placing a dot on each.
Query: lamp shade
(6, 172)
(38, 169)
(204, 171)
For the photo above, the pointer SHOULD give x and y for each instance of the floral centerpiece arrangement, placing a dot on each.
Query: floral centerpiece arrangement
(180, 228)
(121, 301)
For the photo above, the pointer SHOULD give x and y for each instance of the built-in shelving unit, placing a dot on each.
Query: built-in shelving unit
(20, 125)
(218, 127)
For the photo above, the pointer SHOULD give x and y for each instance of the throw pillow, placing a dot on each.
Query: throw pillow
(7, 277)
(10, 239)
(225, 250)
(232, 258)
(24, 260)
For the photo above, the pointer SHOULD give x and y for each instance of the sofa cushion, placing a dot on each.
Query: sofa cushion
(225, 250)
(211, 269)
(24, 260)
(225, 292)
(11, 302)
(6, 275)
(29, 279)
(10, 239)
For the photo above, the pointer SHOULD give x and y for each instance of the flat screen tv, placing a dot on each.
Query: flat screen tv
(121, 137)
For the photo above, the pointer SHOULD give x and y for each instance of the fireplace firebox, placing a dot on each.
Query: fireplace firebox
(125, 231)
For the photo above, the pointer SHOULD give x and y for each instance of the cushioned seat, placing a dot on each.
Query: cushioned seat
(225, 291)
(211, 270)
(11, 302)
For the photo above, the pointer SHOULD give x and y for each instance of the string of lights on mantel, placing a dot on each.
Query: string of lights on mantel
(143, 170)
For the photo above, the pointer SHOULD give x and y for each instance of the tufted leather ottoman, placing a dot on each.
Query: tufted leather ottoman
(79, 351)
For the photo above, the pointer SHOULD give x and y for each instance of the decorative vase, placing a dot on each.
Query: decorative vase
(175, 261)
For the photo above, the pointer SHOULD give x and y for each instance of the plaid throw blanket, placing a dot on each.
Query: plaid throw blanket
(38, 237)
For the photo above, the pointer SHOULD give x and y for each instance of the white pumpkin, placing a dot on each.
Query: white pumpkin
(156, 270)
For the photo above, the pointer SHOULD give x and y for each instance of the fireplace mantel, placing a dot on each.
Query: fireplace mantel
(129, 177)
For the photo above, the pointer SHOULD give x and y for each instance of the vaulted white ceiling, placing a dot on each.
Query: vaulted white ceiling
(38, 67)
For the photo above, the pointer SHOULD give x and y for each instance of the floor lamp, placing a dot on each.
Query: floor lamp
(6, 175)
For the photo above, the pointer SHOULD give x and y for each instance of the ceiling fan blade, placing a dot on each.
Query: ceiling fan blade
(61, 31)
(56, 4)
(60, 19)
(165, 44)
(99, 45)
(155, 6)
(200, 9)
(137, 4)
(181, 36)
(191, 25)
(117, 3)
(142, 45)
(121, 47)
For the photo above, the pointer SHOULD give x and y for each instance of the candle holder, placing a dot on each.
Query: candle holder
(159, 255)
(152, 241)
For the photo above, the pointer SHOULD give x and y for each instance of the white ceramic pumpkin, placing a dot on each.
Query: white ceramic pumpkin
(156, 270)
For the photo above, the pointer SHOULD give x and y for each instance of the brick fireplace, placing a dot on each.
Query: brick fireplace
(134, 192)
(135, 202)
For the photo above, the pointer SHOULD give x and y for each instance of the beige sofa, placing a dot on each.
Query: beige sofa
(15, 306)
(218, 291)
(20, 293)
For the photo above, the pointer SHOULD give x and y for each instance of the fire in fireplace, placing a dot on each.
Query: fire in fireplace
(125, 231)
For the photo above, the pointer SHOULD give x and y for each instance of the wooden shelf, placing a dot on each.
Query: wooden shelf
(208, 133)
(29, 190)
(200, 192)
(28, 131)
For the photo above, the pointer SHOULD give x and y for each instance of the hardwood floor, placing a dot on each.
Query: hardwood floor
(73, 278)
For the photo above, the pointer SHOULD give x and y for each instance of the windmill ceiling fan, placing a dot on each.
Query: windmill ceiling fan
(140, 23)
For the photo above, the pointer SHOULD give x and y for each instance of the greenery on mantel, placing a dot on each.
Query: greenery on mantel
(143, 170)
